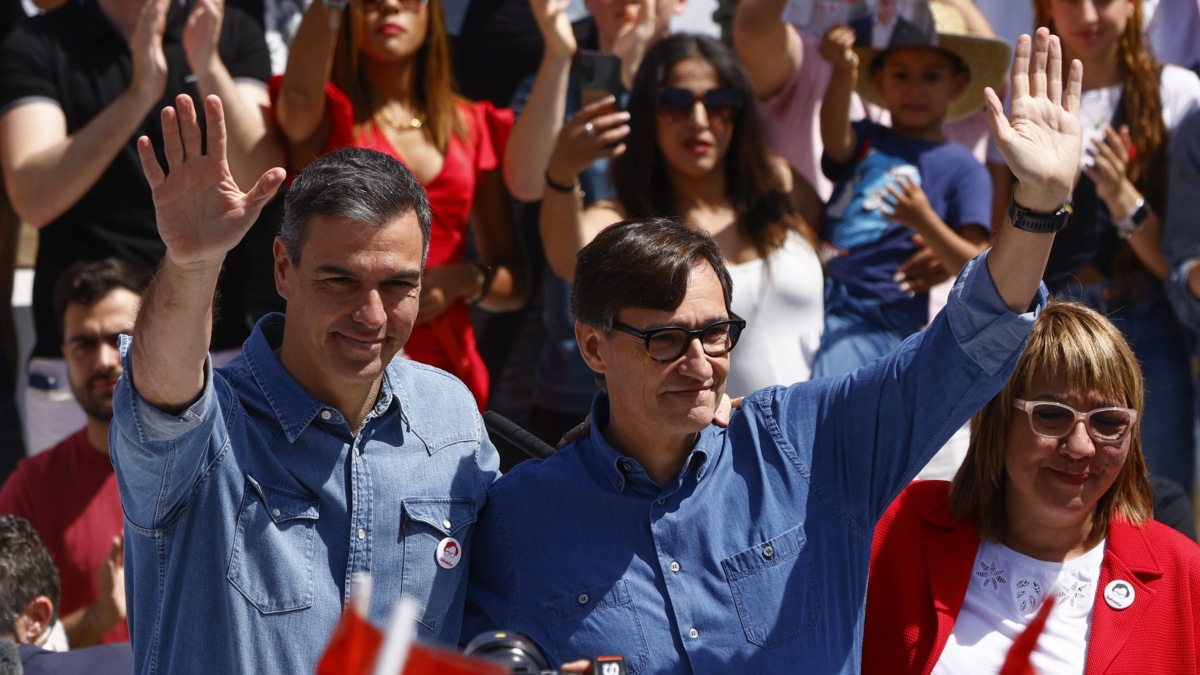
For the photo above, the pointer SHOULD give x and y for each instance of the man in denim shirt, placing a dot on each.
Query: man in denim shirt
(253, 493)
(686, 547)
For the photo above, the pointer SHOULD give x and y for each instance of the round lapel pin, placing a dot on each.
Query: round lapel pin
(449, 552)
(1119, 594)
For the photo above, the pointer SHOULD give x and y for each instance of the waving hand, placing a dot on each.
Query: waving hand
(201, 212)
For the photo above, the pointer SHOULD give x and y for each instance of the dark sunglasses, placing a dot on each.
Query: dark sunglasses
(671, 342)
(676, 104)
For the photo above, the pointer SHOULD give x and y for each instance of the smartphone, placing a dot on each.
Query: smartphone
(598, 74)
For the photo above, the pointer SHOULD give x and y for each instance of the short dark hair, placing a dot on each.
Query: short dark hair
(355, 184)
(86, 283)
(641, 263)
(26, 571)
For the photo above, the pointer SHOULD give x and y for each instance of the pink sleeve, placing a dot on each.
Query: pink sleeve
(490, 127)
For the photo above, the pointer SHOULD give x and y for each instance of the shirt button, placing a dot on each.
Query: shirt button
(325, 415)
(357, 451)
(583, 598)
(275, 512)
(446, 524)
(661, 502)
(693, 633)
(627, 466)
(362, 534)
(674, 566)
(769, 551)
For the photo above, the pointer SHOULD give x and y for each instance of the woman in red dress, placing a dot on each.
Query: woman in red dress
(376, 74)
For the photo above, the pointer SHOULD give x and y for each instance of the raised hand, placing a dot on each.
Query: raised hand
(201, 212)
(633, 39)
(551, 18)
(1041, 139)
(202, 33)
(1110, 161)
(597, 131)
(837, 47)
(149, 77)
(110, 582)
(907, 204)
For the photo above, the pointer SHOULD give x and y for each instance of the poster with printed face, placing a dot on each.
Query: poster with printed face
(877, 23)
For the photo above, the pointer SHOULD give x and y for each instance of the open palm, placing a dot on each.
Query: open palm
(201, 213)
(1042, 137)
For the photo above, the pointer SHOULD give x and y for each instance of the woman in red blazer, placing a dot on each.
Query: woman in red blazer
(1051, 504)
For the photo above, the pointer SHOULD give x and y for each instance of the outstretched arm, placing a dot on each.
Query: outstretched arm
(837, 47)
(1040, 141)
(760, 37)
(533, 135)
(201, 215)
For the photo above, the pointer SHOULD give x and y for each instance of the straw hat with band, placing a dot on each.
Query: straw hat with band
(986, 59)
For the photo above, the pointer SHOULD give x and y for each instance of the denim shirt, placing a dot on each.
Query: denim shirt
(247, 514)
(754, 558)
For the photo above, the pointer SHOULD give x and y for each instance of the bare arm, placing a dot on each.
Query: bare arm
(766, 45)
(253, 148)
(1040, 142)
(300, 109)
(532, 138)
(201, 215)
(47, 171)
(563, 226)
(837, 47)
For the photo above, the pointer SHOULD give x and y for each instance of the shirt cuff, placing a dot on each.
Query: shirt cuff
(156, 425)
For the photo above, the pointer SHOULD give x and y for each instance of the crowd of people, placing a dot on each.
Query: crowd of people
(285, 265)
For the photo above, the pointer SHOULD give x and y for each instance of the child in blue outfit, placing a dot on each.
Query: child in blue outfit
(895, 184)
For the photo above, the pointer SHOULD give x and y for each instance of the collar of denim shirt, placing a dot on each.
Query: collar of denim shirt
(623, 472)
(293, 405)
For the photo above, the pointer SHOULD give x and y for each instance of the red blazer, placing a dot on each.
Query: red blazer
(921, 562)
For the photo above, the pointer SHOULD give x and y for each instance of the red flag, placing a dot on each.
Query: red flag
(352, 648)
(1017, 662)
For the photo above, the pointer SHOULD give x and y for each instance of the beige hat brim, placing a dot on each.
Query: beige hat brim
(987, 59)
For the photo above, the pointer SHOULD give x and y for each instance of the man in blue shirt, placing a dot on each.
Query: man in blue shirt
(686, 547)
(253, 493)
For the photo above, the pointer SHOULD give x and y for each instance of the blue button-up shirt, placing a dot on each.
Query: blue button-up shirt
(754, 558)
(247, 514)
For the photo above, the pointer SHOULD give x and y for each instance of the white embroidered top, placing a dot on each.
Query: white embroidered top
(1003, 596)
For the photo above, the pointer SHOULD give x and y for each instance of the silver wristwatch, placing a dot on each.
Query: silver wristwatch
(1129, 225)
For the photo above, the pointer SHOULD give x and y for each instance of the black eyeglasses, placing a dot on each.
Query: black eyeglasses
(410, 5)
(671, 342)
(1049, 419)
(676, 104)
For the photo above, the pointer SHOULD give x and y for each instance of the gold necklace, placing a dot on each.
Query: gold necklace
(391, 120)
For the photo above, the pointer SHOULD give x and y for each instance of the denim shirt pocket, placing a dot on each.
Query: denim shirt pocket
(271, 563)
(773, 588)
(600, 613)
(428, 522)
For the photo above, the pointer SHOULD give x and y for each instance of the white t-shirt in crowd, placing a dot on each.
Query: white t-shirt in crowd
(1003, 595)
(782, 300)
(1180, 92)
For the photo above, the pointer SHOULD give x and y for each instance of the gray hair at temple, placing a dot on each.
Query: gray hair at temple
(641, 263)
(354, 184)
